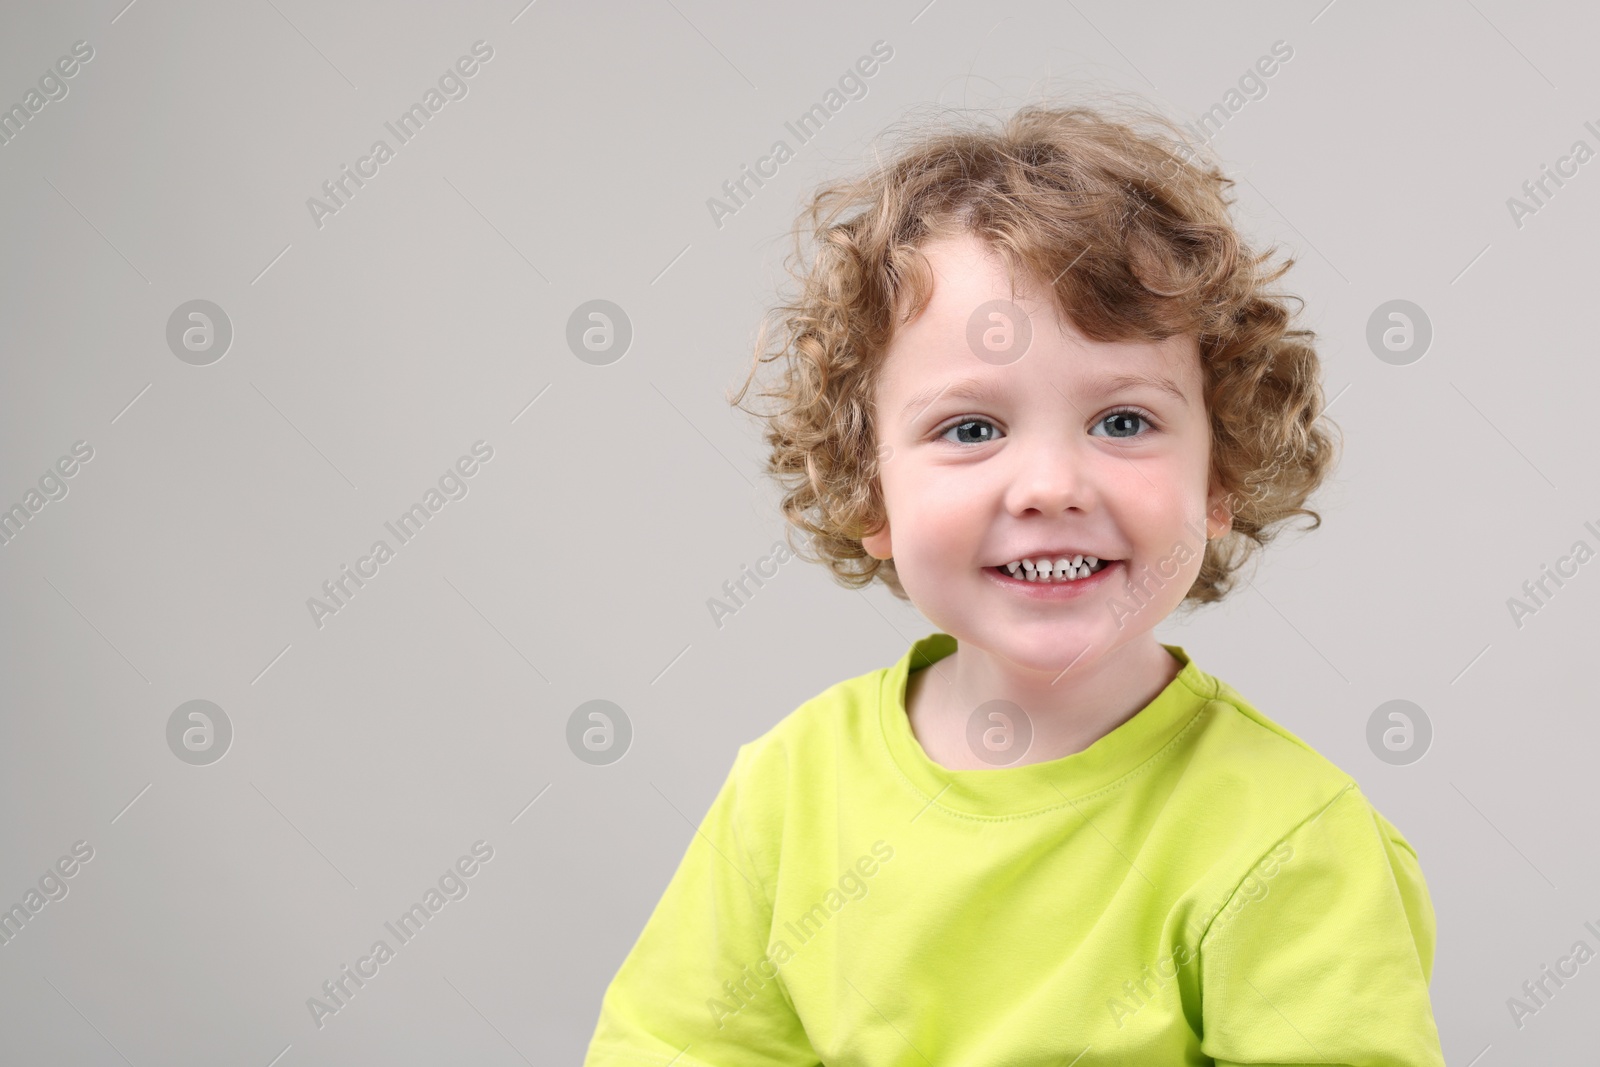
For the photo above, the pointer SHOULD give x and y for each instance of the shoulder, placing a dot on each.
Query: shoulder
(1257, 783)
(811, 742)
(1339, 895)
(1238, 747)
(847, 708)
(772, 787)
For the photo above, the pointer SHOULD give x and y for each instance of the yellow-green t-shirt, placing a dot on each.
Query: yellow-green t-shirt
(1198, 886)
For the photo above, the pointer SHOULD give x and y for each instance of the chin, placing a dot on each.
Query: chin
(1044, 646)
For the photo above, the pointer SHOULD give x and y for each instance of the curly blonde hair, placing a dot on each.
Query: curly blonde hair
(1136, 234)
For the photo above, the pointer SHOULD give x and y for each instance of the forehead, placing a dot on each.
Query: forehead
(943, 342)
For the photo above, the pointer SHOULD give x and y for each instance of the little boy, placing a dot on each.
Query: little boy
(1036, 384)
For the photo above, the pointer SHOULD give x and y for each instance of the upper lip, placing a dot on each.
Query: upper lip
(1052, 554)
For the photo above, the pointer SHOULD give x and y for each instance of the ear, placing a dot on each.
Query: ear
(877, 542)
(1219, 512)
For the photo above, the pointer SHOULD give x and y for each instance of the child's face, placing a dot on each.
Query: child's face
(1053, 456)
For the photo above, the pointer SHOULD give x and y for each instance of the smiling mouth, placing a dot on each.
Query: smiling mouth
(1046, 572)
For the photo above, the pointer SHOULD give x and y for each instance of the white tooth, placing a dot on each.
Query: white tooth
(1046, 569)
(1063, 568)
(1013, 568)
(1091, 561)
(1077, 561)
(1028, 565)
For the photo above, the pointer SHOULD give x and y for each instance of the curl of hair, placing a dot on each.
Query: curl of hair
(1119, 208)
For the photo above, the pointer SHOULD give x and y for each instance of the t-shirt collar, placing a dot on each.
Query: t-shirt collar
(1037, 787)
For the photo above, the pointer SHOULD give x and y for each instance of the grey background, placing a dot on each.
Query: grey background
(428, 313)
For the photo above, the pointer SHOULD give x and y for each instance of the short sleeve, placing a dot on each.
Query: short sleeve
(1324, 952)
(697, 989)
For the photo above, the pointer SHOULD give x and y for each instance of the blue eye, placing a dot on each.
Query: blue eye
(1124, 424)
(1118, 421)
(964, 427)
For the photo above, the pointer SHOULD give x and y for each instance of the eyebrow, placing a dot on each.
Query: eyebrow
(981, 389)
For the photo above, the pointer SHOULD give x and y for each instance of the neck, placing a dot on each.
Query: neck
(1068, 711)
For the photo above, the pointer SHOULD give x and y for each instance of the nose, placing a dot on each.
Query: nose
(1050, 475)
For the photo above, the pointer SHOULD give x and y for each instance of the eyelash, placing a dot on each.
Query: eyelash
(1149, 420)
